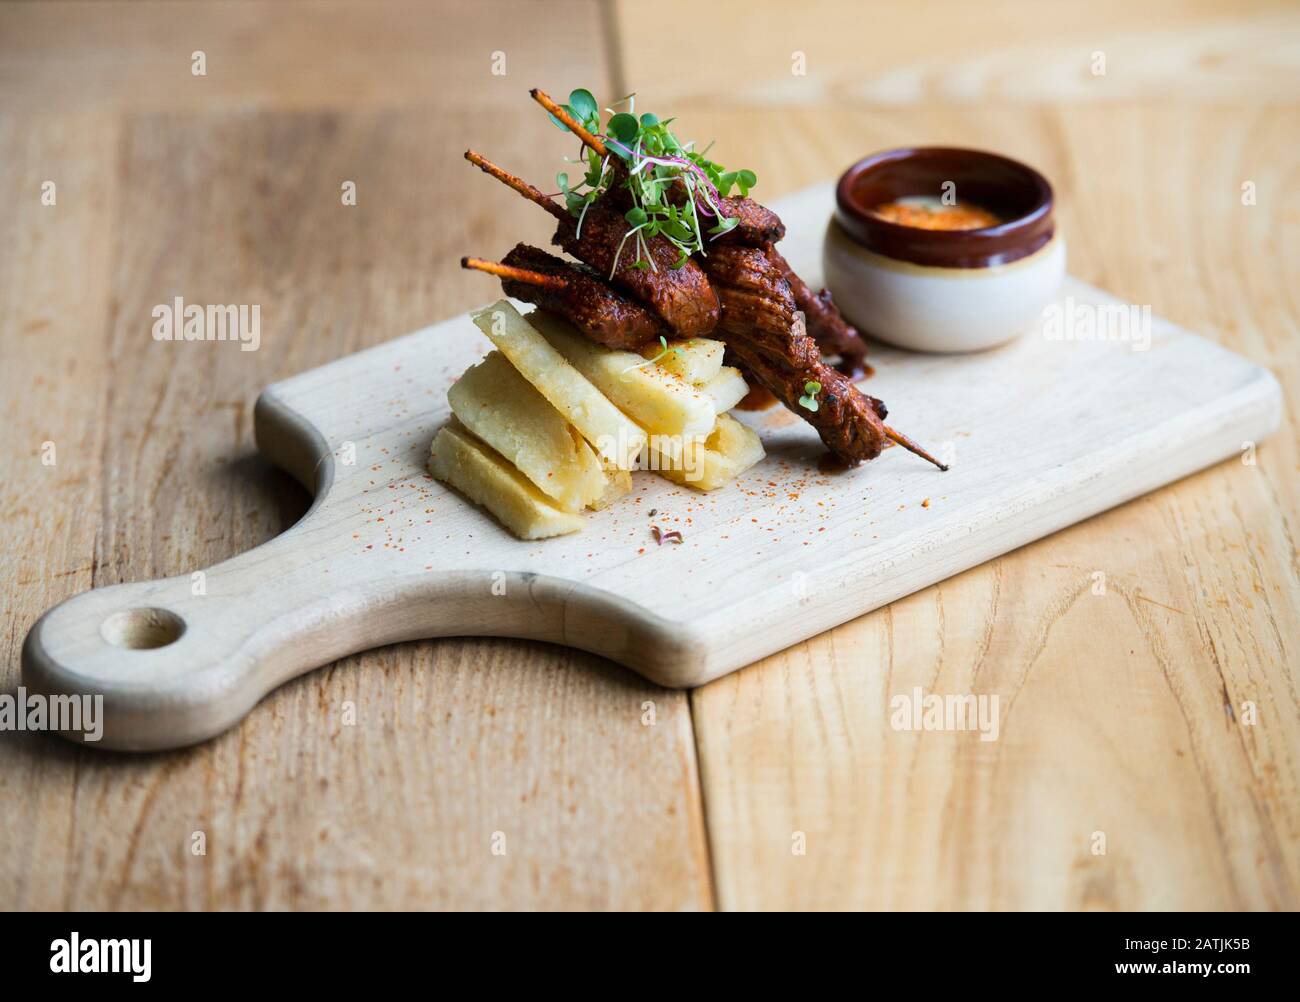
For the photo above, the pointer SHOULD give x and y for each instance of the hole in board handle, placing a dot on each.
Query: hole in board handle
(142, 629)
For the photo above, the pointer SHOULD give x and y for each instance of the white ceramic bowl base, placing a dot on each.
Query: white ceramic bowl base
(940, 309)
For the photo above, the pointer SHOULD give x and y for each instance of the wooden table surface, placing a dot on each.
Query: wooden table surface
(1161, 715)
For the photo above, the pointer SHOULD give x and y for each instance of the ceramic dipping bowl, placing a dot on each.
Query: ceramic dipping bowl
(943, 290)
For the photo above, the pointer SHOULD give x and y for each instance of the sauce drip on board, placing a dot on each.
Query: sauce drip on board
(759, 398)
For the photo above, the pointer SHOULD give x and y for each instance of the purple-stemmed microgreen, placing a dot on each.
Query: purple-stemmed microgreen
(655, 162)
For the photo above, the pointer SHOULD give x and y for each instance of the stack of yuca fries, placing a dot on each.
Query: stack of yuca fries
(550, 423)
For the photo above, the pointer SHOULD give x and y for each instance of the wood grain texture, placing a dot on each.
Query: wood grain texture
(1197, 98)
(157, 475)
(780, 554)
(1012, 52)
(299, 55)
(1122, 713)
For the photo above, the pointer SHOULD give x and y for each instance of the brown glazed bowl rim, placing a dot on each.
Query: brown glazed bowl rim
(1020, 236)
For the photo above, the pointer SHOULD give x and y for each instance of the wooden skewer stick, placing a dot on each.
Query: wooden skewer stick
(528, 191)
(910, 446)
(513, 273)
(576, 127)
(517, 183)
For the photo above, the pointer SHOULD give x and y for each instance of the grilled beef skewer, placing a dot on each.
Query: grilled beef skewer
(833, 334)
(764, 328)
(758, 226)
(605, 315)
(680, 296)
(758, 308)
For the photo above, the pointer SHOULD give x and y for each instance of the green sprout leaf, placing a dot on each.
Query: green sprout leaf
(624, 127)
(582, 105)
(809, 400)
(672, 189)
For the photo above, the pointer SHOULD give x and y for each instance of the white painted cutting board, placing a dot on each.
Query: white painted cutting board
(1041, 435)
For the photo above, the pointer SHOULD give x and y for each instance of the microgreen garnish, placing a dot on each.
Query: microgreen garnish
(663, 343)
(655, 162)
(809, 400)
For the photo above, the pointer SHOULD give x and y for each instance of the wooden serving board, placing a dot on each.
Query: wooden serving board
(1041, 434)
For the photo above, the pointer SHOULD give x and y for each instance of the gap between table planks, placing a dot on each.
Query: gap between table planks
(316, 828)
(1122, 711)
(156, 473)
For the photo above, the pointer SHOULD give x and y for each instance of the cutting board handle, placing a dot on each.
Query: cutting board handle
(179, 660)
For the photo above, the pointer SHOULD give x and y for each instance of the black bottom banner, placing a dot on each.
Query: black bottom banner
(336, 952)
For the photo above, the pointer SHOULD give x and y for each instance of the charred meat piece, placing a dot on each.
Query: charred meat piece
(758, 294)
(682, 297)
(602, 313)
(744, 290)
(765, 331)
(758, 224)
(833, 334)
(846, 419)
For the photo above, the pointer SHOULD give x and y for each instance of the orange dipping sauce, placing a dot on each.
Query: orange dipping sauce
(931, 214)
